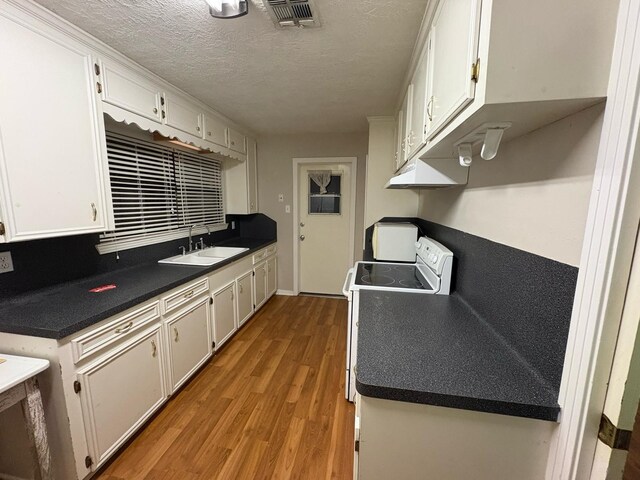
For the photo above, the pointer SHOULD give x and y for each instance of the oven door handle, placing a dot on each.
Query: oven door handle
(345, 287)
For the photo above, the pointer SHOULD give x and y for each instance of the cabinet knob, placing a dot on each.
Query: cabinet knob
(197, 129)
(154, 348)
(302, 237)
(155, 110)
(209, 133)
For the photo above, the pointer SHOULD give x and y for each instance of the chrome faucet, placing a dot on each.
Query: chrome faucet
(191, 228)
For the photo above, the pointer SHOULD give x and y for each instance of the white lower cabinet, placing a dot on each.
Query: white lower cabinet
(260, 284)
(189, 341)
(244, 286)
(224, 314)
(119, 391)
(272, 276)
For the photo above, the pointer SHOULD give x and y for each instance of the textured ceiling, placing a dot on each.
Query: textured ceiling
(273, 81)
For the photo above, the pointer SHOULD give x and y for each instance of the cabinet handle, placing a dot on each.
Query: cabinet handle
(240, 288)
(232, 295)
(175, 333)
(99, 87)
(94, 211)
(154, 348)
(429, 106)
(126, 328)
(232, 142)
(188, 294)
(155, 110)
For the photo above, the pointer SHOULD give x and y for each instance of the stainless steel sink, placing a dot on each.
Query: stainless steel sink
(206, 257)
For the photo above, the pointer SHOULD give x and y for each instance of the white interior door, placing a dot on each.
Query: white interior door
(325, 238)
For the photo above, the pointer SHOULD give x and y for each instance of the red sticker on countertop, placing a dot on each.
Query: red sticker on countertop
(103, 288)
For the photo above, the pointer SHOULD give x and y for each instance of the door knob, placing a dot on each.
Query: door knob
(302, 237)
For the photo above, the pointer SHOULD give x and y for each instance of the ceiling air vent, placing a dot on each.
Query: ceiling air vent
(292, 13)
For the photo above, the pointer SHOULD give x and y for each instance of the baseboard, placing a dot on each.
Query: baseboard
(287, 293)
(5, 476)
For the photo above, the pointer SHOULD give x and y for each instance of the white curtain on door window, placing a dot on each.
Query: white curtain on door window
(321, 178)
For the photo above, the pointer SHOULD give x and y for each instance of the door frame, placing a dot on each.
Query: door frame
(605, 264)
(299, 162)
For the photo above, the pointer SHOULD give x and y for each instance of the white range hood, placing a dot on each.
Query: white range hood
(430, 173)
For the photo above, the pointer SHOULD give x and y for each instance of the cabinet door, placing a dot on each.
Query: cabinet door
(224, 314)
(252, 174)
(397, 161)
(259, 284)
(189, 338)
(406, 111)
(120, 391)
(272, 276)
(453, 48)
(215, 130)
(236, 141)
(182, 115)
(130, 91)
(52, 147)
(417, 126)
(245, 297)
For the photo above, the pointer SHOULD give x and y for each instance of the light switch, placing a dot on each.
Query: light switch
(287, 208)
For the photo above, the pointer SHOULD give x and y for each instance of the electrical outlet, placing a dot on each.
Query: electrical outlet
(6, 264)
(281, 197)
(287, 208)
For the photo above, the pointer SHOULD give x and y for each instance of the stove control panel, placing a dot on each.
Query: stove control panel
(433, 254)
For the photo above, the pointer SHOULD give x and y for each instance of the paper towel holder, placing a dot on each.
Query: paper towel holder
(490, 134)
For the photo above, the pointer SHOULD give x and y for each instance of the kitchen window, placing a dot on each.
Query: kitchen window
(158, 192)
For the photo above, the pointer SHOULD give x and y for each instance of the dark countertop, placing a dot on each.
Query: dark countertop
(59, 311)
(434, 349)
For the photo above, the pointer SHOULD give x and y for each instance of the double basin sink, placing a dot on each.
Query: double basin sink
(206, 257)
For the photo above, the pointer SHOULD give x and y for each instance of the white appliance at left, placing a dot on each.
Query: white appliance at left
(430, 274)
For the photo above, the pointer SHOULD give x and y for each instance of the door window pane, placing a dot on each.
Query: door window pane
(325, 203)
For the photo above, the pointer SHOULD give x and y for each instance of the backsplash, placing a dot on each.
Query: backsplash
(43, 263)
(525, 298)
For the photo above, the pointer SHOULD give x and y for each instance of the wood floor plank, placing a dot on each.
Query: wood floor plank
(270, 404)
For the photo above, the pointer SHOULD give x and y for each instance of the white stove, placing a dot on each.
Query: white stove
(431, 274)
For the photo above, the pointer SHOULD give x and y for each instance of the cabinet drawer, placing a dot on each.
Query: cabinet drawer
(101, 338)
(180, 297)
(236, 141)
(259, 256)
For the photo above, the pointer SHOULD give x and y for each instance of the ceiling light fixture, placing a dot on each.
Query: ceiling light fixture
(228, 8)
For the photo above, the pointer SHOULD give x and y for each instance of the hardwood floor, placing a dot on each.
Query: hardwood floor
(269, 405)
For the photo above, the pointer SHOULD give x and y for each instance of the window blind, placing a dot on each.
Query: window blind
(199, 182)
(158, 192)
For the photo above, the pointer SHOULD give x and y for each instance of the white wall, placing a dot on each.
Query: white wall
(382, 202)
(534, 195)
(275, 176)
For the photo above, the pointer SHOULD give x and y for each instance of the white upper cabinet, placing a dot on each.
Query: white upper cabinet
(52, 148)
(236, 141)
(214, 130)
(126, 89)
(182, 114)
(241, 195)
(417, 125)
(484, 69)
(403, 126)
(453, 40)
